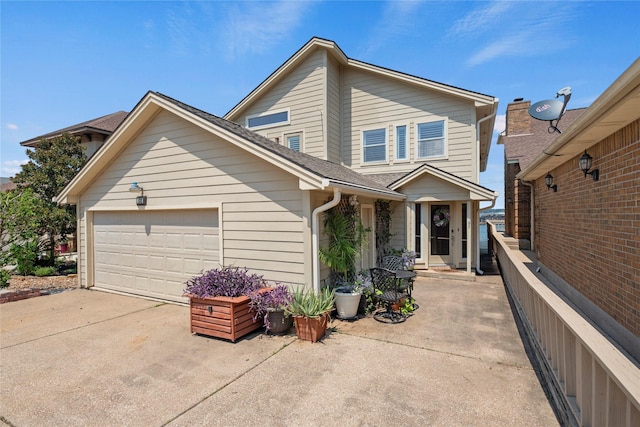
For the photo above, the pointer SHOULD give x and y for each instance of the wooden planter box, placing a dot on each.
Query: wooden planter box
(222, 317)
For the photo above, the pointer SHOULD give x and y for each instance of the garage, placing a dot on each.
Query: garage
(152, 253)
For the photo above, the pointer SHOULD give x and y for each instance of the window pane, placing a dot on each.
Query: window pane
(401, 142)
(374, 145)
(293, 142)
(431, 139)
(268, 119)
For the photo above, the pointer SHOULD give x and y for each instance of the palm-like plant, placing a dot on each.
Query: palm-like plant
(347, 236)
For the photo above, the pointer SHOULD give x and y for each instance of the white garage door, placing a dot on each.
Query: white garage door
(153, 253)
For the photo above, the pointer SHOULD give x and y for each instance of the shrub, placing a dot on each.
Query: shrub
(24, 256)
(4, 278)
(224, 282)
(44, 271)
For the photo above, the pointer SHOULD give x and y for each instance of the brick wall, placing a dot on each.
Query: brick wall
(589, 232)
(518, 120)
(518, 204)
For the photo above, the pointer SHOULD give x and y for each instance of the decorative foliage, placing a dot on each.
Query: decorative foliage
(226, 281)
(261, 303)
(441, 217)
(408, 258)
(347, 235)
(309, 304)
(383, 229)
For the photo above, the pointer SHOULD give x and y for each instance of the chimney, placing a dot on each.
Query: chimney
(518, 119)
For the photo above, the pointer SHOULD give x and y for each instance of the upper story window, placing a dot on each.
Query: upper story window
(268, 119)
(374, 145)
(294, 141)
(401, 142)
(430, 140)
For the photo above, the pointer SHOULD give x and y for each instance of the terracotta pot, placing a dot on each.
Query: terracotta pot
(311, 328)
(222, 317)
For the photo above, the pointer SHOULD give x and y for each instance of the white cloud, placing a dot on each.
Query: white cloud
(500, 124)
(402, 15)
(515, 29)
(12, 126)
(12, 167)
(253, 27)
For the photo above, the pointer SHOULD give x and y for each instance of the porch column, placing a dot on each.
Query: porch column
(469, 237)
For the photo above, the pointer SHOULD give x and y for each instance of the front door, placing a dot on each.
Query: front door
(440, 235)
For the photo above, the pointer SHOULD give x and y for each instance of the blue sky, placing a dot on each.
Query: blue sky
(66, 62)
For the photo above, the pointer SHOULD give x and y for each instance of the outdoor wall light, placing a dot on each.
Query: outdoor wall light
(585, 164)
(141, 200)
(549, 181)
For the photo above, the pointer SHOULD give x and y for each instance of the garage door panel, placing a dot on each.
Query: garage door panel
(153, 253)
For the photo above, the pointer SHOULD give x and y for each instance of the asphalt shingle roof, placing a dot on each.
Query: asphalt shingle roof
(105, 124)
(320, 167)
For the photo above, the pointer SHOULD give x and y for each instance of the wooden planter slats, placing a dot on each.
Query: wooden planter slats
(222, 317)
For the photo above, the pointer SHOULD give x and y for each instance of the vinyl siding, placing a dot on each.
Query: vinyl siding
(334, 111)
(398, 226)
(372, 101)
(432, 189)
(181, 166)
(303, 92)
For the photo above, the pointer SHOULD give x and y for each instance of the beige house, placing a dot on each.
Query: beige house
(249, 189)
(92, 133)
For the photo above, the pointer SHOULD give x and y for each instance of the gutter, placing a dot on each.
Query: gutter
(315, 221)
(478, 123)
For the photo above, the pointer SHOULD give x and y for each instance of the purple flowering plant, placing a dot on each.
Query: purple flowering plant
(226, 281)
(263, 302)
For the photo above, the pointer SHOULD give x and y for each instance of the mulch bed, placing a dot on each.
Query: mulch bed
(23, 287)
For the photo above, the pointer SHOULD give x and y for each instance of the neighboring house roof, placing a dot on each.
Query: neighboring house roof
(6, 185)
(485, 105)
(102, 125)
(314, 173)
(524, 148)
(618, 106)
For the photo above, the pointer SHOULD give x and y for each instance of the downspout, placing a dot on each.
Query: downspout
(493, 202)
(315, 221)
(478, 269)
(531, 223)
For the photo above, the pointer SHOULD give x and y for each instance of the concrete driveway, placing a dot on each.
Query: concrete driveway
(90, 358)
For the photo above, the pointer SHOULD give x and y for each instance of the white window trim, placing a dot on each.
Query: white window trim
(301, 133)
(386, 146)
(444, 136)
(268, 113)
(407, 143)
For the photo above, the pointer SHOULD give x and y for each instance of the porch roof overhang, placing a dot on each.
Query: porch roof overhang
(618, 106)
(476, 192)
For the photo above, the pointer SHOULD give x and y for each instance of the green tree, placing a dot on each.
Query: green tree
(53, 163)
(20, 214)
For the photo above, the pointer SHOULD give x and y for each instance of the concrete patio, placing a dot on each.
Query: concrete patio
(90, 358)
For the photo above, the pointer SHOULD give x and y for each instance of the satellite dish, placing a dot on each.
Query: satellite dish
(547, 110)
(551, 109)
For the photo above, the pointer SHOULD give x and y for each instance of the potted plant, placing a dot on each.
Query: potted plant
(270, 305)
(346, 236)
(219, 301)
(310, 312)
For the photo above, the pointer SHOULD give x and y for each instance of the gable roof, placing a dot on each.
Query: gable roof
(103, 125)
(314, 173)
(477, 192)
(618, 106)
(524, 148)
(486, 105)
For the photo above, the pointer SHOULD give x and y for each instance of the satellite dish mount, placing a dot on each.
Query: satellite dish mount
(551, 110)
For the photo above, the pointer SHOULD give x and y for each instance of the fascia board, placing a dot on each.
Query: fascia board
(459, 182)
(135, 121)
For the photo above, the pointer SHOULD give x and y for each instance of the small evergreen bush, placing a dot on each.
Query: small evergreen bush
(44, 271)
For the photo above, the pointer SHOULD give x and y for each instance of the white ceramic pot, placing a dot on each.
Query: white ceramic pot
(347, 303)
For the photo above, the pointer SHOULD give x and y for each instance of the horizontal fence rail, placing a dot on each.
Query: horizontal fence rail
(601, 387)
